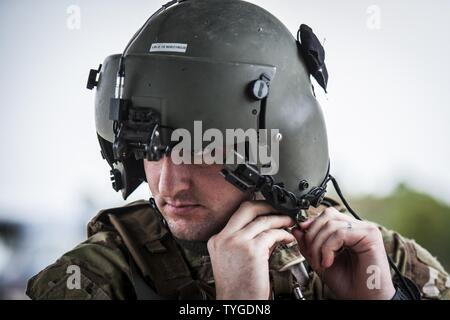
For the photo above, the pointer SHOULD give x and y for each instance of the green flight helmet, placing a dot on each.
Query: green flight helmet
(227, 63)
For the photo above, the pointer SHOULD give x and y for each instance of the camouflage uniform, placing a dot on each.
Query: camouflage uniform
(130, 249)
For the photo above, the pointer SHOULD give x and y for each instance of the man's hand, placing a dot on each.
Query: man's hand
(345, 252)
(240, 252)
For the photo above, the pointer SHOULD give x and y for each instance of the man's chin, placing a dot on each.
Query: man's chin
(194, 231)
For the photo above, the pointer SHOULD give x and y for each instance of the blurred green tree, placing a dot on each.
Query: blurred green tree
(413, 214)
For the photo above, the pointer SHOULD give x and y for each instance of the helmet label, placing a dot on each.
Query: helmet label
(168, 47)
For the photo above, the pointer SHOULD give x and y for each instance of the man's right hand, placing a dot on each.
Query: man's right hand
(240, 252)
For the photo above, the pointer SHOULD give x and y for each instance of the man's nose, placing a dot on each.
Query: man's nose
(173, 178)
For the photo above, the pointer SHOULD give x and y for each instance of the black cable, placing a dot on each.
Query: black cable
(391, 263)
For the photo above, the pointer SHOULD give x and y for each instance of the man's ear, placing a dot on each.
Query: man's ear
(143, 168)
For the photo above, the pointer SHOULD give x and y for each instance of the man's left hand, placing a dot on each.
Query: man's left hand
(347, 254)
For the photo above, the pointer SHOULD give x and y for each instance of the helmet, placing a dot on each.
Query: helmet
(229, 64)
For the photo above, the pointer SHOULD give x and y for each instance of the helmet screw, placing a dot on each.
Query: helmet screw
(303, 185)
(278, 137)
(259, 89)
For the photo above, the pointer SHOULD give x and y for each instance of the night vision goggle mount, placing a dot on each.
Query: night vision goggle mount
(137, 131)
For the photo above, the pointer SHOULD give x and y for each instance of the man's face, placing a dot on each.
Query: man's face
(195, 200)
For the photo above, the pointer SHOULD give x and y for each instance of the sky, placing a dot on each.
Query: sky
(387, 107)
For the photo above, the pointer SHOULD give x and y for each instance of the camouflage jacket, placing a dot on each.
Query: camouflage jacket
(129, 250)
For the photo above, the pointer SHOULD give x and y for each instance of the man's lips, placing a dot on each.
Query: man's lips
(180, 208)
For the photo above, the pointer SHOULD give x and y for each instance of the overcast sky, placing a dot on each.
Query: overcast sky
(387, 109)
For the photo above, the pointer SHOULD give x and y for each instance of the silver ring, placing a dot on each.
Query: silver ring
(349, 225)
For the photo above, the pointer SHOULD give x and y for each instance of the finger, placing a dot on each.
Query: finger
(263, 223)
(314, 249)
(267, 239)
(344, 237)
(320, 221)
(246, 213)
(299, 235)
(305, 224)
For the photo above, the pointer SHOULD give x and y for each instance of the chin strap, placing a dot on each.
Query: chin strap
(247, 178)
(405, 287)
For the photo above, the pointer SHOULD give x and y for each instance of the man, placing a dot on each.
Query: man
(255, 227)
